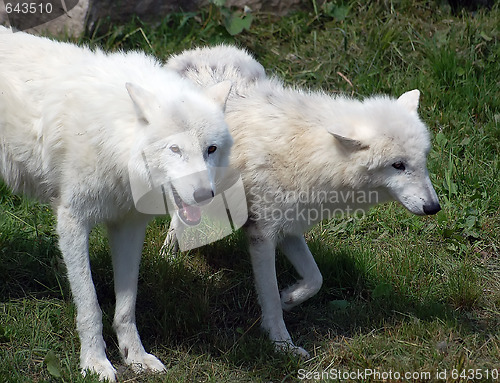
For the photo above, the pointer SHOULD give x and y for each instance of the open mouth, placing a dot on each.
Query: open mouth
(190, 215)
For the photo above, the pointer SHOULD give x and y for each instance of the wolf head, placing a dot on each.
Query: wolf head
(390, 144)
(181, 144)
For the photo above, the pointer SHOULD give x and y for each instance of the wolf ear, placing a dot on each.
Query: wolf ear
(349, 143)
(143, 101)
(410, 100)
(219, 93)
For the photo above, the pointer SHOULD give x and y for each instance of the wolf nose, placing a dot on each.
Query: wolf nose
(432, 208)
(203, 196)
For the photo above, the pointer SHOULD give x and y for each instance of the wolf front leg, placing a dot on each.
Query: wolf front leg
(126, 241)
(263, 253)
(296, 250)
(73, 242)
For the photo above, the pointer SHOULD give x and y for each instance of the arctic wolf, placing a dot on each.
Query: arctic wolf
(72, 124)
(304, 157)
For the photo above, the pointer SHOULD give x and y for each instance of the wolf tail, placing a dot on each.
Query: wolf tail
(211, 65)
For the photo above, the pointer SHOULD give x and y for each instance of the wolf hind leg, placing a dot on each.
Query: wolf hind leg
(263, 254)
(296, 250)
(126, 241)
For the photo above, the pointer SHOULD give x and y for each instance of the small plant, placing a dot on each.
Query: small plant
(333, 10)
(235, 21)
(53, 364)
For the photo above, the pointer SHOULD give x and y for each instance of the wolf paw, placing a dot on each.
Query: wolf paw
(103, 368)
(294, 295)
(300, 292)
(287, 300)
(291, 349)
(146, 362)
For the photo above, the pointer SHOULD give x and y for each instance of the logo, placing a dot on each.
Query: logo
(206, 203)
(28, 14)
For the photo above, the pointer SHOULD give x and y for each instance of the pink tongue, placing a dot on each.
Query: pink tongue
(192, 213)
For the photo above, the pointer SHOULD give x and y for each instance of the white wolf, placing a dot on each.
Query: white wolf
(72, 122)
(305, 156)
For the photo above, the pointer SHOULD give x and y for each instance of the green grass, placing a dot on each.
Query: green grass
(401, 292)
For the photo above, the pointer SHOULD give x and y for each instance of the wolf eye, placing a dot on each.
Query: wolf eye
(211, 149)
(399, 166)
(175, 149)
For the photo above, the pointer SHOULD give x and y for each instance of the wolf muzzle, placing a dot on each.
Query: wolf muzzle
(432, 208)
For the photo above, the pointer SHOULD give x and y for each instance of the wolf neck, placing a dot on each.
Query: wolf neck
(284, 131)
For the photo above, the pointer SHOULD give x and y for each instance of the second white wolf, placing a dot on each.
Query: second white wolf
(304, 157)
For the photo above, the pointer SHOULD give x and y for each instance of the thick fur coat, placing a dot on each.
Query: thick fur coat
(73, 124)
(307, 156)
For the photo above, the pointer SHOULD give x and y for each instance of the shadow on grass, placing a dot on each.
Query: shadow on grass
(204, 302)
(30, 266)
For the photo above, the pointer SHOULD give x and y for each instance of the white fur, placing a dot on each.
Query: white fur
(71, 119)
(289, 141)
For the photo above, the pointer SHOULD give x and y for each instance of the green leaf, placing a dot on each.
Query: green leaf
(53, 364)
(382, 290)
(4, 334)
(442, 217)
(237, 23)
(328, 9)
(339, 305)
(466, 141)
(470, 221)
(340, 13)
(485, 36)
(441, 139)
(450, 186)
(337, 12)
